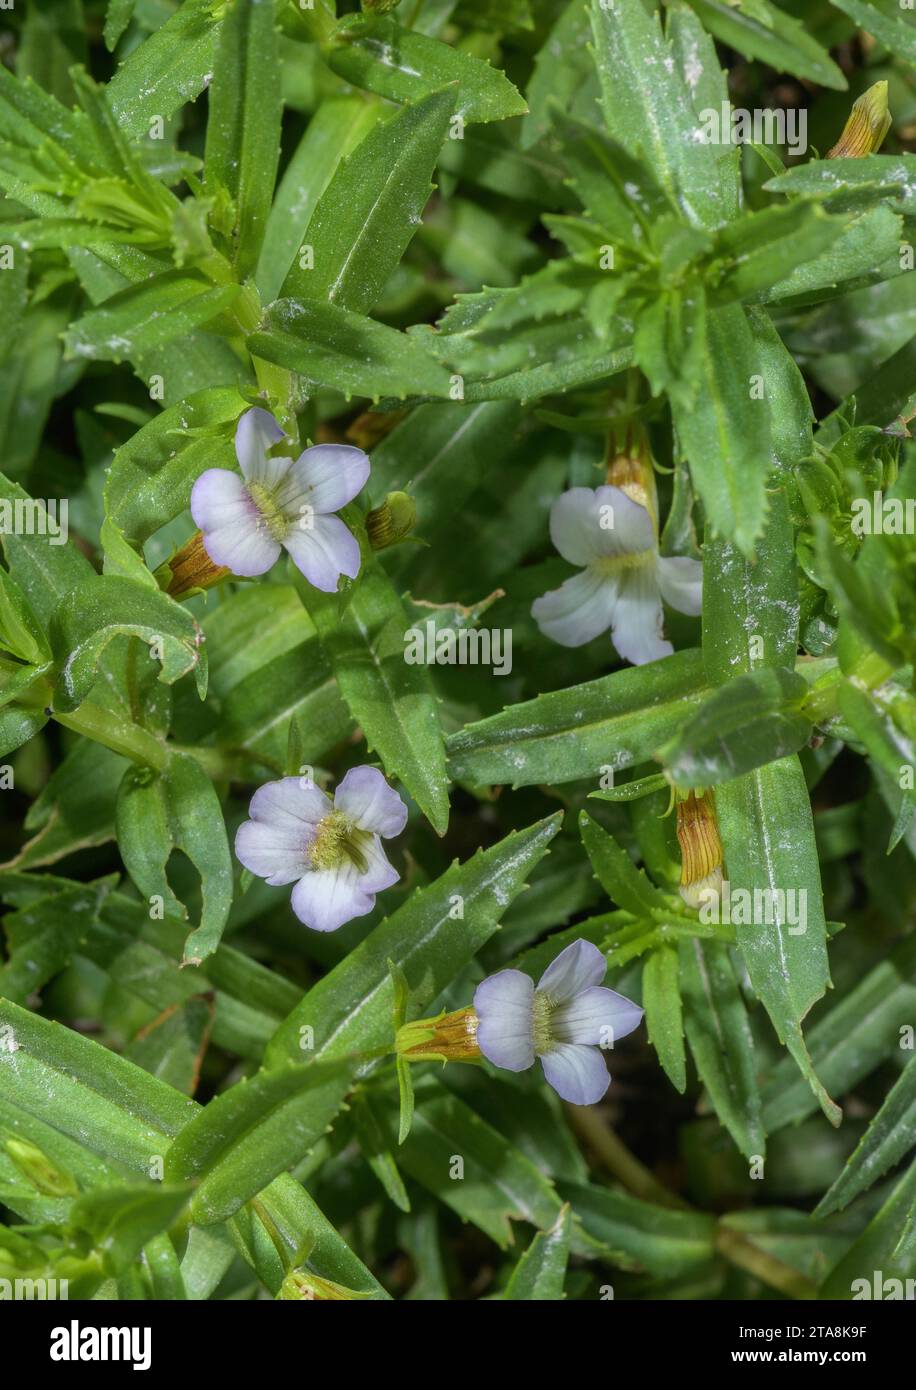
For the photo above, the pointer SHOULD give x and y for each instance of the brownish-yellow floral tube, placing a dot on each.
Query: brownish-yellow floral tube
(868, 123)
(447, 1038)
(190, 570)
(701, 848)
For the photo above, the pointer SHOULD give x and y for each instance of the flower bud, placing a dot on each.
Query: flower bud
(301, 1286)
(701, 848)
(868, 123)
(190, 570)
(392, 521)
(446, 1038)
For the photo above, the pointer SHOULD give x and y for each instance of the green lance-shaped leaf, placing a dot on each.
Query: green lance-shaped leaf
(661, 997)
(648, 107)
(377, 54)
(850, 1038)
(639, 1235)
(895, 32)
(331, 346)
(723, 425)
(867, 251)
(375, 1146)
(768, 837)
(41, 566)
(42, 936)
(715, 1020)
(243, 125)
(890, 1135)
(150, 479)
(872, 721)
(752, 720)
(750, 609)
(63, 1084)
(117, 17)
(238, 1143)
(391, 700)
(148, 316)
(336, 128)
(498, 1183)
(850, 182)
(616, 721)
(768, 33)
(105, 607)
(431, 938)
(120, 1221)
(371, 208)
(178, 809)
(761, 248)
(540, 1273)
(873, 1254)
(619, 877)
(168, 69)
(21, 634)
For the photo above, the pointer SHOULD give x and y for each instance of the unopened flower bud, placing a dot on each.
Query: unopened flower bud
(868, 123)
(392, 521)
(301, 1286)
(701, 848)
(190, 570)
(447, 1038)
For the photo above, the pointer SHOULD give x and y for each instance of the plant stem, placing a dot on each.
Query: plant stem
(104, 726)
(618, 1159)
(636, 1177)
(741, 1251)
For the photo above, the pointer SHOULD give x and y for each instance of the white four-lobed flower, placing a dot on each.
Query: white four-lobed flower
(623, 581)
(566, 1021)
(331, 850)
(281, 504)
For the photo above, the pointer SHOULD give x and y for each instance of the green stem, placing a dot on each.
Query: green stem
(740, 1251)
(869, 672)
(636, 1177)
(104, 726)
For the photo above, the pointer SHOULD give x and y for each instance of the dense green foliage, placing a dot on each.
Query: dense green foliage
(484, 241)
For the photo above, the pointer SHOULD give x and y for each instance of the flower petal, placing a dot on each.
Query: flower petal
(681, 582)
(368, 800)
(325, 899)
(323, 550)
(638, 618)
(597, 1016)
(277, 854)
(380, 874)
(233, 532)
(591, 523)
(577, 967)
(504, 1005)
(577, 1074)
(292, 803)
(274, 843)
(582, 608)
(256, 432)
(326, 477)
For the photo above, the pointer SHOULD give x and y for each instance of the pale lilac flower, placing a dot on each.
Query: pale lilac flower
(565, 1021)
(623, 581)
(331, 850)
(281, 503)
